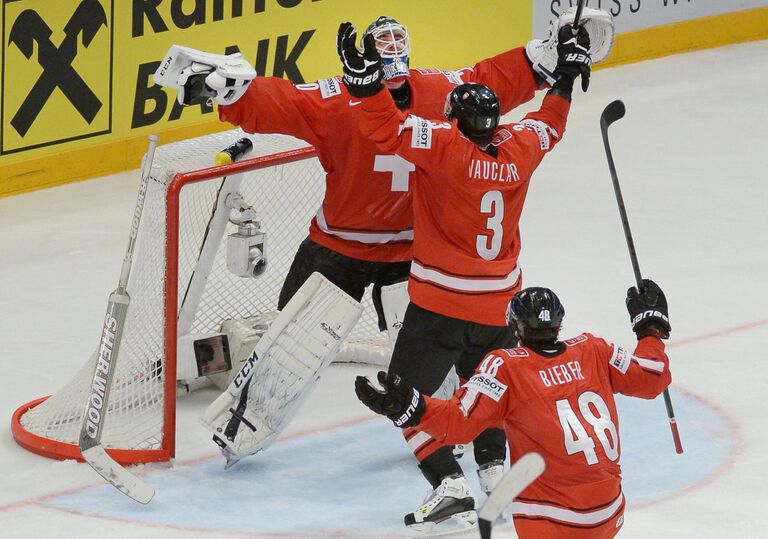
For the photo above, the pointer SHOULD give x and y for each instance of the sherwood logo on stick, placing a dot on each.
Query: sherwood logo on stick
(29, 29)
(99, 384)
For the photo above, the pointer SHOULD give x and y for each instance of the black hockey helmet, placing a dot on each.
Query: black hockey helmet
(476, 109)
(536, 314)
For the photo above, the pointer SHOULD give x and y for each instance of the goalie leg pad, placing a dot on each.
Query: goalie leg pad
(599, 26)
(282, 370)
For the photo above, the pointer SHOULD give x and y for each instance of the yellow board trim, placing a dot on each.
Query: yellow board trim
(92, 162)
(702, 33)
(109, 158)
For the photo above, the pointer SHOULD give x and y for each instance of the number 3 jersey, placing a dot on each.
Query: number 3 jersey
(366, 212)
(560, 405)
(467, 204)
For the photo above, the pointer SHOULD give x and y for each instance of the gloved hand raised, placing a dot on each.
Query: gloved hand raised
(648, 310)
(363, 72)
(200, 76)
(573, 58)
(397, 400)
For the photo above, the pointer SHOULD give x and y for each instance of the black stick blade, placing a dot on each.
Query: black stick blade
(614, 111)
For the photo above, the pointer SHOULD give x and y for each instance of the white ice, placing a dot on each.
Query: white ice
(692, 156)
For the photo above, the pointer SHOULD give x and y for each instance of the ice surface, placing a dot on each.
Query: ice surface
(692, 155)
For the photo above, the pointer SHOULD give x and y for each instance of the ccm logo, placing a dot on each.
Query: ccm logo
(166, 65)
(240, 378)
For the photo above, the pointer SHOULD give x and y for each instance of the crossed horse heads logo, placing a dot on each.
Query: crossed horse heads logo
(28, 29)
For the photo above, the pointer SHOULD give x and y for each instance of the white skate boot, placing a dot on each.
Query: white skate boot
(448, 509)
(490, 474)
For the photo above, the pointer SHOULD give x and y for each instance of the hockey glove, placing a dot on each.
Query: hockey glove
(200, 76)
(363, 71)
(543, 56)
(397, 400)
(648, 311)
(573, 58)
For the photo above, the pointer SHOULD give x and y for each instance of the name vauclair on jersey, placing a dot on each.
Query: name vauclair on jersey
(479, 169)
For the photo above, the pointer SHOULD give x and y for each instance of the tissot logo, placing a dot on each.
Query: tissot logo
(56, 71)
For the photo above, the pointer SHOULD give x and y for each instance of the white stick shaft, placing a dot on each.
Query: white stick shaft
(146, 171)
(522, 473)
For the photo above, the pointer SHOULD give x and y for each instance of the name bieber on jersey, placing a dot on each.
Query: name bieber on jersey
(480, 169)
(561, 374)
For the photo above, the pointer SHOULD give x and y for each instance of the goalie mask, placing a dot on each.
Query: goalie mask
(394, 47)
(536, 314)
(476, 109)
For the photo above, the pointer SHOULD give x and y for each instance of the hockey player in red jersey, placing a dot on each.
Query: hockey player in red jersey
(470, 180)
(553, 397)
(362, 232)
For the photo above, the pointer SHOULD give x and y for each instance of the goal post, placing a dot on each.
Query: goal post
(180, 286)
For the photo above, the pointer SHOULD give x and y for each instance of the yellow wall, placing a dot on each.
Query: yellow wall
(56, 142)
(129, 37)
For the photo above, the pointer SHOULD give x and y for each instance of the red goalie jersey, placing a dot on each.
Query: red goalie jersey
(366, 213)
(561, 406)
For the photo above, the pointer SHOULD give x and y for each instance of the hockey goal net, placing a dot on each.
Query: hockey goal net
(180, 285)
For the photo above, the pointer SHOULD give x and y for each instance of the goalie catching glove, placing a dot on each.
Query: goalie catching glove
(200, 76)
(648, 311)
(544, 55)
(363, 72)
(397, 400)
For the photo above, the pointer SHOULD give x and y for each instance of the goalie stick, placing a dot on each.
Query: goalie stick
(103, 373)
(522, 473)
(613, 112)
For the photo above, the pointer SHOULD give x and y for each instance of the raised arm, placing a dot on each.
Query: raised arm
(257, 104)
(645, 373)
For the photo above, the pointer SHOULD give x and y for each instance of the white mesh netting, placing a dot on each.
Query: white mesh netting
(285, 198)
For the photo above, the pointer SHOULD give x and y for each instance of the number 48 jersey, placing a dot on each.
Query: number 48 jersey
(560, 405)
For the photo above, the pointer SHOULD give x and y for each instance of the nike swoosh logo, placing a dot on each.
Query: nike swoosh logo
(353, 103)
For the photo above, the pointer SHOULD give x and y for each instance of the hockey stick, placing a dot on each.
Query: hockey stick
(98, 394)
(577, 17)
(613, 112)
(522, 473)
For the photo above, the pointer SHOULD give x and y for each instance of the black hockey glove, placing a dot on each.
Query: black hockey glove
(397, 400)
(648, 311)
(363, 72)
(573, 59)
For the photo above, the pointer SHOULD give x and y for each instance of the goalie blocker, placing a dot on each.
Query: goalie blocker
(282, 369)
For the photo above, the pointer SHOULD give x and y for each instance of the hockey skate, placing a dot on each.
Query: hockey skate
(448, 511)
(489, 475)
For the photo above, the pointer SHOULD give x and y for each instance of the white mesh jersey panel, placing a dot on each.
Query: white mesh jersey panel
(285, 198)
